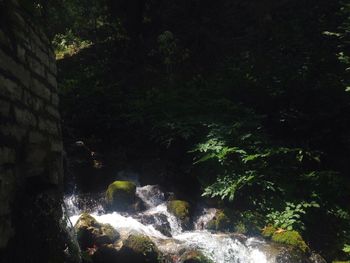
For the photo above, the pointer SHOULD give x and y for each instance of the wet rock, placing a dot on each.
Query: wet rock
(139, 249)
(121, 195)
(292, 238)
(286, 237)
(194, 256)
(291, 255)
(220, 222)
(90, 233)
(138, 205)
(152, 195)
(106, 254)
(181, 210)
(159, 221)
(316, 258)
(268, 231)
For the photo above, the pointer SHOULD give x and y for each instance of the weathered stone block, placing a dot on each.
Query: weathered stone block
(52, 80)
(55, 176)
(54, 99)
(10, 89)
(31, 133)
(4, 108)
(48, 126)
(13, 130)
(7, 155)
(6, 230)
(53, 112)
(25, 117)
(36, 66)
(40, 89)
(56, 146)
(53, 66)
(36, 155)
(16, 69)
(21, 53)
(36, 137)
(3, 39)
(23, 39)
(41, 55)
(33, 102)
(20, 23)
(35, 39)
(7, 185)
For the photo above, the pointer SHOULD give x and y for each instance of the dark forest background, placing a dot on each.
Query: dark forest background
(247, 102)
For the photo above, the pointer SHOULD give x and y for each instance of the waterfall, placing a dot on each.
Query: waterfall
(219, 247)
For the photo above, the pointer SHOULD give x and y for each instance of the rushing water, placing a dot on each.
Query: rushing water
(220, 247)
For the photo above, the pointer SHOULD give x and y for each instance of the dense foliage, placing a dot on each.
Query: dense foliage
(252, 98)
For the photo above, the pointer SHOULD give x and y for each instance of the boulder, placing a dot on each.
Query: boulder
(90, 233)
(139, 249)
(159, 222)
(106, 254)
(121, 195)
(291, 255)
(292, 238)
(316, 258)
(220, 222)
(194, 256)
(285, 237)
(181, 210)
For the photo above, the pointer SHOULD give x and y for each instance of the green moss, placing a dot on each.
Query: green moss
(292, 238)
(139, 248)
(140, 244)
(268, 231)
(195, 256)
(83, 228)
(108, 234)
(120, 194)
(220, 222)
(87, 220)
(211, 225)
(240, 227)
(181, 209)
(90, 232)
(109, 231)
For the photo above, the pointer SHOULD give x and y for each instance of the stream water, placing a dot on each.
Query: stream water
(166, 231)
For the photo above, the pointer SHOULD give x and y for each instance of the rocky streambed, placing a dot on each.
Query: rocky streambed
(146, 224)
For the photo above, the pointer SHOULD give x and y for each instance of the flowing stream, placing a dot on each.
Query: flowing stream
(165, 230)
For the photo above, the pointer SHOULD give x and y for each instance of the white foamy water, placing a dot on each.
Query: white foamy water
(175, 225)
(220, 247)
(207, 215)
(151, 195)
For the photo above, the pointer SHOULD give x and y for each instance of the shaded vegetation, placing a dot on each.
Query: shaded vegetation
(244, 101)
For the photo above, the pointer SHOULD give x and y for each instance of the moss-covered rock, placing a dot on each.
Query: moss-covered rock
(120, 195)
(194, 256)
(106, 254)
(293, 255)
(286, 237)
(90, 233)
(139, 249)
(220, 222)
(181, 209)
(268, 231)
(292, 238)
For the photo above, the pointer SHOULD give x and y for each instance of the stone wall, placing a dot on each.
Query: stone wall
(30, 141)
